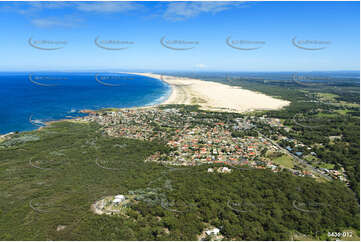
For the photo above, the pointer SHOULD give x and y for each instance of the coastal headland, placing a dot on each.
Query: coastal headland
(210, 96)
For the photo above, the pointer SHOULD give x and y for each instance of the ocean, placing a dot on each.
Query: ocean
(29, 99)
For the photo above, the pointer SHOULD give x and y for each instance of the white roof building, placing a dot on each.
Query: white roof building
(224, 170)
(213, 231)
(122, 197)
(118, 199)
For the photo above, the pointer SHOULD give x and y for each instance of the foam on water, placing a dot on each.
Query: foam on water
(21, 98)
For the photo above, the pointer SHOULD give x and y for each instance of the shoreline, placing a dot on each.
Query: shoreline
(214, 96)
(209, 95)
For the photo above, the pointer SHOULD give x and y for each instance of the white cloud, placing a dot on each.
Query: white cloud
(108, 7)
(34, 10)
(56, 22)
(183, 10)
(173, 11)
(31, 8)
(101, 7)
(201, 66)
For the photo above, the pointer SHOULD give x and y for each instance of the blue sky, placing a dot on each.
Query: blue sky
(266, 29)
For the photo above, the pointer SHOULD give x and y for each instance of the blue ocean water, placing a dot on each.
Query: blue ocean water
(28, 99)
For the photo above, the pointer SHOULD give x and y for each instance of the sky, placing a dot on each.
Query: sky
(193, 36)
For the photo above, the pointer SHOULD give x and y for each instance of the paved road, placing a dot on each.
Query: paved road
(303, 162)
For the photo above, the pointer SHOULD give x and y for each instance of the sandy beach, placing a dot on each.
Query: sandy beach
(209, 95)
(216, 96)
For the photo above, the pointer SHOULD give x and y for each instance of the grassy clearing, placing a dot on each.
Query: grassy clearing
(326, 115)
(285, 161)
(51, 182)
(342, 111)
(310, 158)
(327, 96)
(351, 105)
(79, 121)
(326, 166)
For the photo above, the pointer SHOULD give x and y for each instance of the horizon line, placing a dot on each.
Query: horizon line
(185, 70)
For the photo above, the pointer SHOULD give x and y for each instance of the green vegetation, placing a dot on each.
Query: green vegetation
(310, 158)
(48, 184)
(245, 133)
(327, 166)
(317, 111)
(283, 160)
(327, 96)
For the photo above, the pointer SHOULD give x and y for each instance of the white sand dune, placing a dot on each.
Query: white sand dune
(216, 96)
